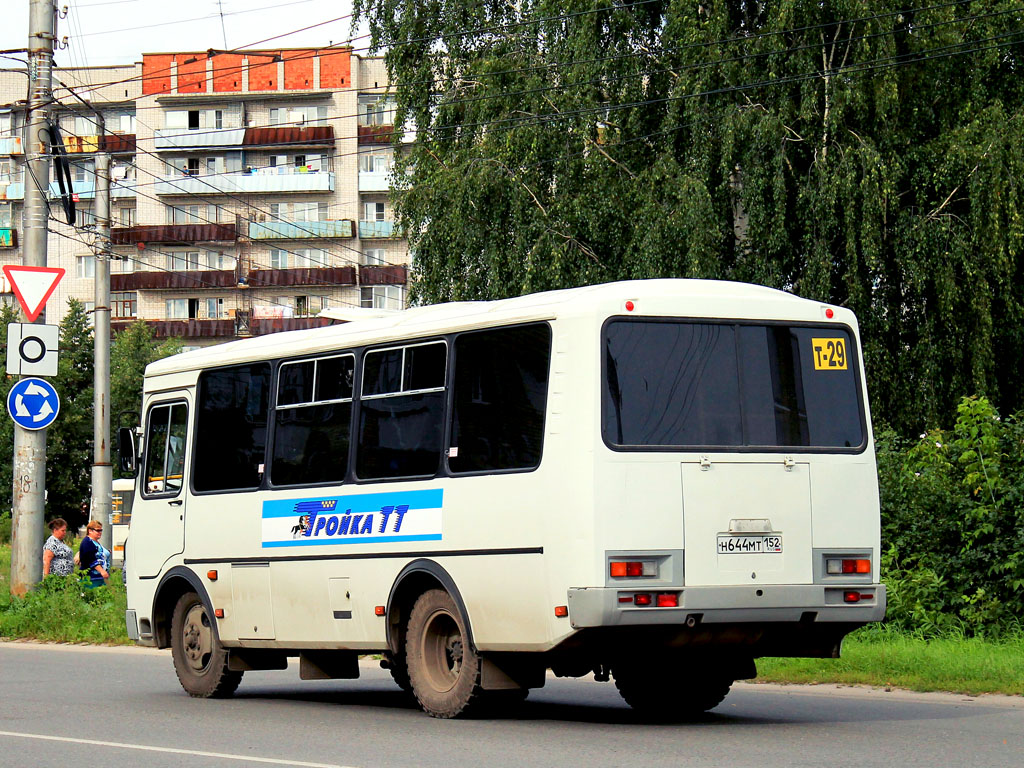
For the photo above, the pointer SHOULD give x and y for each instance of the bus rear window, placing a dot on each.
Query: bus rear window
(682, 384)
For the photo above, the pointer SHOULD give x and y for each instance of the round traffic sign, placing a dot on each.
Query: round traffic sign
(33, 403)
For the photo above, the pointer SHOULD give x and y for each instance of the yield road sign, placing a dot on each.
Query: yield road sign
(32, 349)
(33, 286)
(33, 403)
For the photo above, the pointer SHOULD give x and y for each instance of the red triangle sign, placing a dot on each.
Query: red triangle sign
(33, 286)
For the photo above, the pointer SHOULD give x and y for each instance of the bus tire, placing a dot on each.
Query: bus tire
(200, 661)
(667, 695)
(444, 670)
(399, 669)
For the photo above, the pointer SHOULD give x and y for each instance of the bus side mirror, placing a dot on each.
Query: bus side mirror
(126, 450)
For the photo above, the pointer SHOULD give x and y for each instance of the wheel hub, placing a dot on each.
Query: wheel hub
(197, 640)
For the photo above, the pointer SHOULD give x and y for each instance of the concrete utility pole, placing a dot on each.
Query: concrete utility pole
(102, 472)
(30, 446)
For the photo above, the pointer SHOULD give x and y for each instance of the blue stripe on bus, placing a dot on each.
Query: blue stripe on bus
(353, 540)
(357, 503)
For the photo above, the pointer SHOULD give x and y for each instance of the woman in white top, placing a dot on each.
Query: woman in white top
(57, 556)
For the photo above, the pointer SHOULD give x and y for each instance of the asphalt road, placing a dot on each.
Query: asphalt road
(128, 706)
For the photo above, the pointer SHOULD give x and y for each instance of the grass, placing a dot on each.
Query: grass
(883, 657)
(61, 611)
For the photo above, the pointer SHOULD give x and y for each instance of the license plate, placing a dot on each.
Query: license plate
(757, 544)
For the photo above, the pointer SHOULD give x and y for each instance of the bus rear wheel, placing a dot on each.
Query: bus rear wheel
(676, 693)
(200, 661)
(444, 670)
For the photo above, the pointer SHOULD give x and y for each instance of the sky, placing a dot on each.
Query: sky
(119, 31)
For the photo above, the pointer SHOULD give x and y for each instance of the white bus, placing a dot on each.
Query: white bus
(657, 481)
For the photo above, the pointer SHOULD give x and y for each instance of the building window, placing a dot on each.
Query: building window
(298, 116)
(374, 162)
(5, 215)
(127, 217)
(85, 126)
(375, 256)
(373, 211)
(278, 259)
(124, 305)
(382, 297)
(85, 266)
(82, 171)
(181, 261)
(214, 308)
(376, 110)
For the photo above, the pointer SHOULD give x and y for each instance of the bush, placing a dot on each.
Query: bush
(61, 609)
(953, 524)
(5, 527)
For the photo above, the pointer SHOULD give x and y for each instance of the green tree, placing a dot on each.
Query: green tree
(133, 349)
(843, 151)
(69, 440)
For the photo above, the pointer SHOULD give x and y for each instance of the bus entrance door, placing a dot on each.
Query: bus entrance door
(159, 518)
(747, 523)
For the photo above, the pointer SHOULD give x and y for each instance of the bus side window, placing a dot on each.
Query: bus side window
(501, 384)
(232, 407)
(312, 421)
(165, 449)
(401, 411)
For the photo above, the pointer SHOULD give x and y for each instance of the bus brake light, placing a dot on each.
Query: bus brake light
(668, 600)
(642, 598)
(851, 597)
(836, 566)
(632, 568)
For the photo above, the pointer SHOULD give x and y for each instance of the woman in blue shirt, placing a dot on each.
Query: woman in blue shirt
(93, 556)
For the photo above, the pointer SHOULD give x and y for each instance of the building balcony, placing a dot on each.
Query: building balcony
(82, 190)
(373, 181)
(375, 134)
(377, 229)
(290, 135)
(200, 138)
(245, 183)
(379, 274)
(300, 230)
(183, 329)
(189, 280)
(8, 237)
(323, 276)
(11, 145)
(223, 329)
(122, 143)
(174, 233)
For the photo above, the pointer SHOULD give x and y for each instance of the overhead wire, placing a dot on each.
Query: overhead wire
(677, 49)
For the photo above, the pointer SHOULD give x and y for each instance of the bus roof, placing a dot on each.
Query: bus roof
(436, 319)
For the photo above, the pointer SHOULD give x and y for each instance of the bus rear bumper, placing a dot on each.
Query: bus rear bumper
(811, 603)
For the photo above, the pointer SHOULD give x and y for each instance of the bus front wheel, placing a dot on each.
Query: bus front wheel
(676, 693)
(200, 661)
(444, 670)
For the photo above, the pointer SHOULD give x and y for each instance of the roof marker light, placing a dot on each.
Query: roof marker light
(561, 611)
(629, 306)
(829, 313)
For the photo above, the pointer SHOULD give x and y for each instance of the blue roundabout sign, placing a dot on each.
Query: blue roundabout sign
(33, 403)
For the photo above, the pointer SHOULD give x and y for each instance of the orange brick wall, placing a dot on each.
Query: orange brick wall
(298, 70)
(335, 68)
(262, 74)
(156, 73)
(227, 72)
(335, 71)
(192, 76)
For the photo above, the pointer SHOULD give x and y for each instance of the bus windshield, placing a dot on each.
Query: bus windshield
(671, 384)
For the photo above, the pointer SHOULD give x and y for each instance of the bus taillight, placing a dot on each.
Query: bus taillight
(835, 566)
(633, 568)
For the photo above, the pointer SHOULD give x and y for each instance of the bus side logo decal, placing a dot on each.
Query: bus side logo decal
(354, 519)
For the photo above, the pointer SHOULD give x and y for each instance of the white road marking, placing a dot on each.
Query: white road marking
(173, 751)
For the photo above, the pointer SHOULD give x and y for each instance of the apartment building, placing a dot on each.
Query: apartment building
(250, 190)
